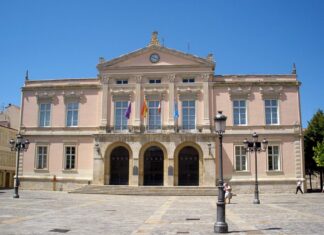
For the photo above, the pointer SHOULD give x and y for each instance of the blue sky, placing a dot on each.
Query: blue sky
(64, 39)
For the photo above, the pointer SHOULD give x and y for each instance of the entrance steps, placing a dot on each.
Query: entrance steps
(147, 190)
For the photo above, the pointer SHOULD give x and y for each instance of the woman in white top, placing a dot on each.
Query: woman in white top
(228, 192)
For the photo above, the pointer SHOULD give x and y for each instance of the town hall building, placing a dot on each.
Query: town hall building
(148, 120)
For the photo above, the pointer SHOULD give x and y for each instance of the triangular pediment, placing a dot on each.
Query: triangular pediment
(167, 57)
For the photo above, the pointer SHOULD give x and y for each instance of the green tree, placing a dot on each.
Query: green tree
(319, 154)
(313, 135)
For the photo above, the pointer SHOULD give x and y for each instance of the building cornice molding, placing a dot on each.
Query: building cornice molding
(271, 92)
(241, 92)
(62, 87)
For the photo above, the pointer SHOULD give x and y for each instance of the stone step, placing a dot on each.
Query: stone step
(147, 190)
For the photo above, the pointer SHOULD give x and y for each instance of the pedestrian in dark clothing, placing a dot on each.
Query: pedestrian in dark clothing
(298, 188)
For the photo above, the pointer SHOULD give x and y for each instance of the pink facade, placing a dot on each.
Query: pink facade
(79, 133)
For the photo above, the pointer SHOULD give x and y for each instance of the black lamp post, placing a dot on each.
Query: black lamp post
(17, 145)
(220, 226)
(256, 146)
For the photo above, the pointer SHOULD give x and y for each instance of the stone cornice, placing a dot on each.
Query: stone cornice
(254, 84)
(62, 87)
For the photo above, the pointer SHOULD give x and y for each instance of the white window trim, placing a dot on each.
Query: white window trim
(147, 117)
(278, 112)
(36, 157)
(76, 158)
(39, 114)
(247, 157)
(114, 117)
(66, 114)
(194, 130)
(246, 112)
(280, 157)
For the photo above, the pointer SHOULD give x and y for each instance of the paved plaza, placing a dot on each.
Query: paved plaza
(41, 212)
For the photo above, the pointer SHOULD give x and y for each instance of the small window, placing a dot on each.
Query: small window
(70, 157)
(188, 80)
(153, 81)
(41, 161)
(122, 82)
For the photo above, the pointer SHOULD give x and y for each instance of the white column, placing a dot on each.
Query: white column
(171, 78)
(104, 101)
(137, 122)
(206, 122)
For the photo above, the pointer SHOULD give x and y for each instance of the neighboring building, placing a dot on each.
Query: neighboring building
(10, 116)
(7, 157)
(148, 119)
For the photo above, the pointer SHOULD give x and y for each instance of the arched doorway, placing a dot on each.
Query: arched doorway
(188, 167)
(153, 166)
(119, 166)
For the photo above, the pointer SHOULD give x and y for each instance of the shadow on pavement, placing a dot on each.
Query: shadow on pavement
(254, 231)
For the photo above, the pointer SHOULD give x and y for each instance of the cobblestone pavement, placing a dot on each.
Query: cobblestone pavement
(54, 213)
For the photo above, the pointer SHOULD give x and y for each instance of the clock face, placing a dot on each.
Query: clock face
(154, 58)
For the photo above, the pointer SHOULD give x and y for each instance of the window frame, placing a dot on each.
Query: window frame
(240, 156)
(40, 112)
(123, 110)
(279, 157)
(37, 146)
(265, 112)
(156, 114)
(183, 116)
(239, 108)
(65, 157)
(67, 111)
(121, 81)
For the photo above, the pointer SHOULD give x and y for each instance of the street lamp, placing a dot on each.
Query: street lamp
(17, 145)
(255, 146)
(220, 226)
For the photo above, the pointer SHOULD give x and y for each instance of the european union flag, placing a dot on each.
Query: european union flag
(176, 112)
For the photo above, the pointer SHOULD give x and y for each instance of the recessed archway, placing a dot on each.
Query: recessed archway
(188, 170)
(188, 165)
(153, 164)
(118, 164)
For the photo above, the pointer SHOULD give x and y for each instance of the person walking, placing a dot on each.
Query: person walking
(228, 192)
(298, 188)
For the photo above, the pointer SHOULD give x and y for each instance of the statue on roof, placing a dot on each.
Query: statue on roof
(154, 39)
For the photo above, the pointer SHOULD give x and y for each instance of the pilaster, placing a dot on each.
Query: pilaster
(104, 102)
(137, 122)
(171, 78)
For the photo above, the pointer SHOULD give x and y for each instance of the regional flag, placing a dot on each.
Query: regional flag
(144, 109)
(128, 110)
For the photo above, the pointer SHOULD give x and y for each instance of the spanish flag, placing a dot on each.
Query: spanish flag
(144, 109)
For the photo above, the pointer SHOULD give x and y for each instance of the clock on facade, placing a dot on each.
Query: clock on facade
(154, 58)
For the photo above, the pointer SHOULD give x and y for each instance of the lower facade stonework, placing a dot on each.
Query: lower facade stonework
(165, 160)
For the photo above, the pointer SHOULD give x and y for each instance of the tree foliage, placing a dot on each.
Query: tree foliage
(313, 135)
(319, 154)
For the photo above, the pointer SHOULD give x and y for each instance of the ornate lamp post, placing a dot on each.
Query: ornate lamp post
(17, 145)
(256, 146)
(220, 226)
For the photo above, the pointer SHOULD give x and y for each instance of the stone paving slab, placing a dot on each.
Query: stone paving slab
(55, 213)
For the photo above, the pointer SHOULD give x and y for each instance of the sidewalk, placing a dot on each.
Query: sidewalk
(41, 212)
